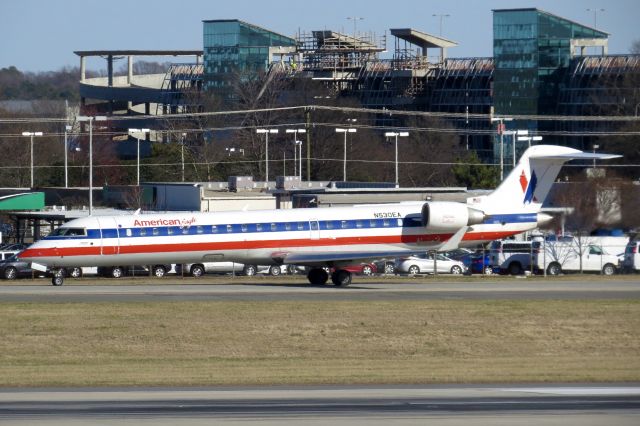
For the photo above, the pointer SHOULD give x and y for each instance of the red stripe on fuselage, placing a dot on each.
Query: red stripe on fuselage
(255, 244)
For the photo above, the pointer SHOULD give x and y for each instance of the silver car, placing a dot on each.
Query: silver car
(199, 269)
(426, 264)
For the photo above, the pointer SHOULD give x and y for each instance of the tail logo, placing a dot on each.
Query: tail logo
(529, 187)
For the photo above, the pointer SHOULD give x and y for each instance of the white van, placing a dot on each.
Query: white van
(558, 257)
(631, 262)
(510, 256)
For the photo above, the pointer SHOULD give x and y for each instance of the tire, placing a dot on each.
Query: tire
(57, 280)
(608, 269)
(318, 276)
(341, 278)
(414, 270)
(554, 269)
(488, 270)
(456, 270)
(389, 268)
(74, 272)
(10, 273)
(275, 270)
(515, 268)
(249, 270)
(367, 270)
(197, 271)
(116, 272)
(158, 271)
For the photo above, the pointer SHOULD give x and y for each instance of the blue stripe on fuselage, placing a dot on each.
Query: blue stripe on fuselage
(495, 219)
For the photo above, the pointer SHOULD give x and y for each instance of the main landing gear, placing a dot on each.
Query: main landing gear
(319, 276)
(58, 277)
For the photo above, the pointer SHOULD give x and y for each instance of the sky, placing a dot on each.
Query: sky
(41, 35)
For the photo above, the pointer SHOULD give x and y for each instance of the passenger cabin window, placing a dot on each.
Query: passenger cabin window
(185, 230)
(300, 226)
(274, 227)
(143, 232)
(214, 229)
(287, 226)
(329, 224)
(343, 224)
(229, 228)
(199, 229)
(385, 223)
(129, 233)
(372, 223)
(244, 227)
(259, 227)
(156, 231)
(170, 231)
(358, 224)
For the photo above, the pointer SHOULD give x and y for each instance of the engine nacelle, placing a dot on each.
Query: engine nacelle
(449, 216)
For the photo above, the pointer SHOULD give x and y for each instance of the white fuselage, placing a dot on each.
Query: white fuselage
(258, 237)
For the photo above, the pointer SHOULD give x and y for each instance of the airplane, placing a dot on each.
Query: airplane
(312, 237)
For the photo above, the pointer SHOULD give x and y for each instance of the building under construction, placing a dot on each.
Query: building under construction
(538, 68)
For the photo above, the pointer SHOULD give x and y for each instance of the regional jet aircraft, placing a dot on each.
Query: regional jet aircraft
(313, 237)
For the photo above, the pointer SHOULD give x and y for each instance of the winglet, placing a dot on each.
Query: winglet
(453, 242)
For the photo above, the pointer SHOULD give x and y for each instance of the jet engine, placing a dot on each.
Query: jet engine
(449, 216)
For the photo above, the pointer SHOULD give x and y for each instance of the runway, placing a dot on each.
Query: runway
(408, 405)
(172, 289)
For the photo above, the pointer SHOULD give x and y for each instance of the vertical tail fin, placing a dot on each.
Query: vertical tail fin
(529, 183)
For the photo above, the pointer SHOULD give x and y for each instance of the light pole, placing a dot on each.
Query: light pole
(184, 135)
(501, 129)
(266, 150)
(529, 139)
(594, 151)
(355, 19)
(66, 152)
(299, 145)
(445, 15)
(295, 142)
(345, 131)
(396, 134)
(137, 131)
(31, 135)
(90, 119)
(595, 16)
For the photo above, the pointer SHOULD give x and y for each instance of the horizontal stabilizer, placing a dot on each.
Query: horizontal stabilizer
(579, 156)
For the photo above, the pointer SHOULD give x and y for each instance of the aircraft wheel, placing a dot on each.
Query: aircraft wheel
(57, 280)
(318, 276)
(341, 278)
(74, 272)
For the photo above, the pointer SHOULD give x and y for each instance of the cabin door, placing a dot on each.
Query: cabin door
(109, 238)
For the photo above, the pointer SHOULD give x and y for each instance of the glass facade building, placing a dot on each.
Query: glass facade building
(532, 51)
(233, 48)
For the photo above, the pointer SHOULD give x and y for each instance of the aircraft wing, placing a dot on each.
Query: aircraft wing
(309, 257)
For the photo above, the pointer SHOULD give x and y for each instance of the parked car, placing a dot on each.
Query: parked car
(13, 268)
(478, 263)
(631, 261)
(364, 268)
(509, 256)
(386, 266)
(458, 254)
(573, 257)
(199, 269)
(427, 264)
(141, 270)
(4, 255)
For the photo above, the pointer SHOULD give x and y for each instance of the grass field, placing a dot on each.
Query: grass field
(348, 342)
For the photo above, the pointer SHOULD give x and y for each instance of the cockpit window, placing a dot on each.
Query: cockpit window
(69, 232)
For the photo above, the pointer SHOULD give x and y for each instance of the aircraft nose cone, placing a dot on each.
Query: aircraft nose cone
(544, 218)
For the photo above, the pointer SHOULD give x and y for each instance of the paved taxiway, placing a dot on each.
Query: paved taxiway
(410, 405)
(173, 289)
